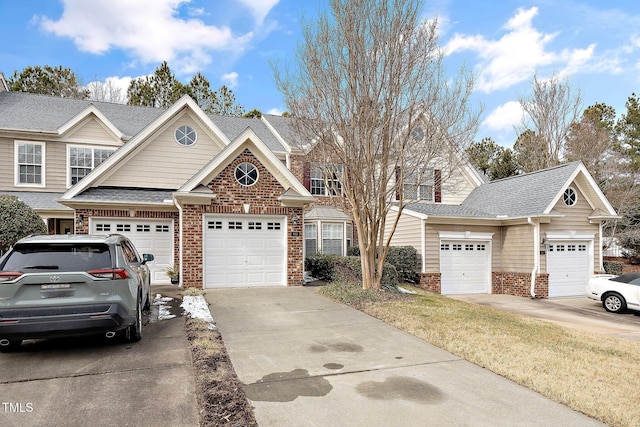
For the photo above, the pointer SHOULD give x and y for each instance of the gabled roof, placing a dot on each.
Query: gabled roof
(111, 164)
(528, 195)
(26, 112)
(294, 190)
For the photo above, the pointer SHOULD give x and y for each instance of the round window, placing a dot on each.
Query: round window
(570, 197)
(246, 174)
(185, 135)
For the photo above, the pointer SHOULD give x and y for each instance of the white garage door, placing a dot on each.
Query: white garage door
(568, 268)
(245, 251)
(465, 267)
(148, 236)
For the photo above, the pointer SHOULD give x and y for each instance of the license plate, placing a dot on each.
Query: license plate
(56, 286)
(56, 290)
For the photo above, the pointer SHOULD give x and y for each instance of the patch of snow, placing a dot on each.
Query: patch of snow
(197, 307)
(308, 278)
(163, 307)
(406, 291)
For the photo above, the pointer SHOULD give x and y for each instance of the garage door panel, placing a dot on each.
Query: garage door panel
(568, 267)
(465, 267)
(245, 251)
(148, 236)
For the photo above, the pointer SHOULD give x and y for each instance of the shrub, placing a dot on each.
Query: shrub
(334, 268)
(403, 258)
(613, 267)
(320, 266)
(17, 220)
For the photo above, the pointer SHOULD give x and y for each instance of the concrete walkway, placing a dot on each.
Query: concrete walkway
(308, 361)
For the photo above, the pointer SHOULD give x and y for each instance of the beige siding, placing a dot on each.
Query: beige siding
(456, 189)
(7, 168)
(433, 243)
(163, 162)
(407, 232)
(576, 220)
(517, 249)
(91, 131)
(56, 166)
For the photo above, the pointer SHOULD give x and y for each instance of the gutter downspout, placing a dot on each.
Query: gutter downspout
(423, 240)
(180, 275)
(536, 256)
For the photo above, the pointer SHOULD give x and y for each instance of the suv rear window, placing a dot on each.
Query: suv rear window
(57, 257)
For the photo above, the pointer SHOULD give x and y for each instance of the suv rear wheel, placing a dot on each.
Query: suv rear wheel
(134, 332)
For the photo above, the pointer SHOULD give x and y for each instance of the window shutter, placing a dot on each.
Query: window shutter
(437, 185)
(306, 175)
(398, 183)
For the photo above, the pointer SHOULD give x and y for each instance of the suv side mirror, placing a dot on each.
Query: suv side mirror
(146, 258)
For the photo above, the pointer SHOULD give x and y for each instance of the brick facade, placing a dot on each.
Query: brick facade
(431, 282)
(519, 284)
(262, 199)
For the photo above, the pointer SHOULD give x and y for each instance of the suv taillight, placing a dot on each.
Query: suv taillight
(7, 276)
(110, 273)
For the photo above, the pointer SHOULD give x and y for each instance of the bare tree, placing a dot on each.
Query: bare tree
(550, 110)
(106, 91)
(371, 97)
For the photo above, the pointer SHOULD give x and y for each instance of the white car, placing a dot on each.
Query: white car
(617, 293)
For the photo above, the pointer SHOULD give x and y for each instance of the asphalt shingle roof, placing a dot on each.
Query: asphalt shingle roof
(39, 200)
(26, 111)
(138, 195)
(233, 126)
(517, 196)
(29, 112)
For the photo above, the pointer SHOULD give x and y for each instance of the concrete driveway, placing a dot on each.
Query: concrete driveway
(308, 361)
(575, 312)
(91, 382)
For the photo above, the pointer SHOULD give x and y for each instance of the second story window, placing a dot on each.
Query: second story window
(325, 180)
(83, 160)
(413, 190)
(29, 164)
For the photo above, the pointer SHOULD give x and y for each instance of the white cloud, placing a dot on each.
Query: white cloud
(516, 56)
(505, 117)
(149, 30)
(275, 111)
(259, 8)
(231, 79)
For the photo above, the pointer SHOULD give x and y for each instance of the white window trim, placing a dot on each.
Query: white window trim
(318, 224)
(321, 168)
(93, 148)
(16, 166)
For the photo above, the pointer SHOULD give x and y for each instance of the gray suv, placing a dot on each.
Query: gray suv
(65, 285)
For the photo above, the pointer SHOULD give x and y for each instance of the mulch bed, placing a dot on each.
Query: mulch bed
(221, 398)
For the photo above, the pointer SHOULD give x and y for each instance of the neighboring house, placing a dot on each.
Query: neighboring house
(537, 235)
(235, 202)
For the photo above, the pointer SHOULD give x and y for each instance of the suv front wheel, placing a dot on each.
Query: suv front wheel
(134, 332)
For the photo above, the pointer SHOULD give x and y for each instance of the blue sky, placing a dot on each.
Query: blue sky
(592, 43)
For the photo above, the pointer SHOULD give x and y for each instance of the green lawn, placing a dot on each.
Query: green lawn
(593, 374)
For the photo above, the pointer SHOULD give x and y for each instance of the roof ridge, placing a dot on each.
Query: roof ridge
(564, 165)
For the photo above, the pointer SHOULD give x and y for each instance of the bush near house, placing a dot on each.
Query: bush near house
(403, 258)
(334, 268)
(613, 267)
(17, 220)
